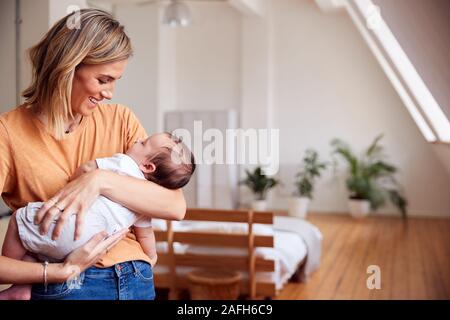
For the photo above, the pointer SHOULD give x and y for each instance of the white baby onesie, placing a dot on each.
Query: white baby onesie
(104, 214)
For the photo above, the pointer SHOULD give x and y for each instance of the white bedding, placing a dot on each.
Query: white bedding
(290, 248)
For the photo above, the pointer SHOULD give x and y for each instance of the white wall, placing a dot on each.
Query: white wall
(7, 55)
(7, 62)
(35, 23)
(138, 87)
(37, 16)
(316, 80)
(167, 71)
(257, 65)
(209, 58)
(309, 74)
(34, 14)
(327, 85)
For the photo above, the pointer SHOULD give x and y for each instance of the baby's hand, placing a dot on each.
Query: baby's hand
(84, 168)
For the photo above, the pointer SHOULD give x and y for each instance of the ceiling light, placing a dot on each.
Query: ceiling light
(177, 14)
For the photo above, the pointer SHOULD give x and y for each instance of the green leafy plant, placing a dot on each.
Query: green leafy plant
(311, 168)
(370, 177)
(259, 183)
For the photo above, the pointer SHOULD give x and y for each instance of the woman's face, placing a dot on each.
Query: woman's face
(93, 83)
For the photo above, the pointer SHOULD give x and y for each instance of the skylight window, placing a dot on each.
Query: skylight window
(420, 103)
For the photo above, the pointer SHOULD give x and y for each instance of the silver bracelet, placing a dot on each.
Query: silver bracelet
(45, 265)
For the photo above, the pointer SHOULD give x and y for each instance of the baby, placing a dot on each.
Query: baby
(161, 158)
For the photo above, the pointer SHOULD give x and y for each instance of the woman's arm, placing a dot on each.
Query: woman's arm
(169, 204)
(21, 272)
(142, 196)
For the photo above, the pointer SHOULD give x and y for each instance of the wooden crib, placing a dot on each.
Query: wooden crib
(251, 287)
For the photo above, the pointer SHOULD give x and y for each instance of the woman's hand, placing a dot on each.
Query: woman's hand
(75, 198)
(85, 256)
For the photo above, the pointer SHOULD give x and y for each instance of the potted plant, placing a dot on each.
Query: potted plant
(370, 180)
(260, 184)
(311, 168)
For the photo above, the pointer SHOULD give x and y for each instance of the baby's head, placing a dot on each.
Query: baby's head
(164, 159)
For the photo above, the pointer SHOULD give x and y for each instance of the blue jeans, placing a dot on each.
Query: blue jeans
(132, 280)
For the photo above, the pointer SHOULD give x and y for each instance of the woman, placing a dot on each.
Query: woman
(63, 125)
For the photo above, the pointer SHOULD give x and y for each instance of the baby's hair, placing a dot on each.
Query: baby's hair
(174, 165)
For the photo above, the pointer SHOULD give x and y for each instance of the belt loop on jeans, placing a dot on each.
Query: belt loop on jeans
(135, 268)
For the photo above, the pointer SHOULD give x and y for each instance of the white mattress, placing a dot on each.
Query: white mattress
(288, 252)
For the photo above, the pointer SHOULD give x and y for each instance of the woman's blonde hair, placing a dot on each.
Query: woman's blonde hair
(95, 38)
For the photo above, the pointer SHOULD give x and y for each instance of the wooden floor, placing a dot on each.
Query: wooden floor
(414, 259)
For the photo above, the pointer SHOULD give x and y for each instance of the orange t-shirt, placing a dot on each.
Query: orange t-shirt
(34, 165)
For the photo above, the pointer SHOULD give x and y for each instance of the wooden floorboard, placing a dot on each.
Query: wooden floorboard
(413, 256)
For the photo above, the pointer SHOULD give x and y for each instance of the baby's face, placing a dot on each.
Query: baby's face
(142, 148)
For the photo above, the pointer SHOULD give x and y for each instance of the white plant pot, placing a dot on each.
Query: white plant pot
(358, 208)
(259, 205)
(298, 207)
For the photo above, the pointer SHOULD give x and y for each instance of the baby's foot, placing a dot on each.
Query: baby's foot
(16, 292)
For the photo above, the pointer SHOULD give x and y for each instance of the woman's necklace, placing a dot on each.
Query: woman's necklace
(73, 125)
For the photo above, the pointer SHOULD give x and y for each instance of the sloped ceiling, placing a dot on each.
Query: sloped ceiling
(422, 28)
